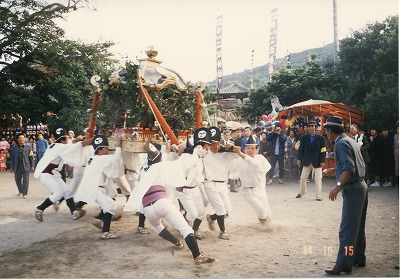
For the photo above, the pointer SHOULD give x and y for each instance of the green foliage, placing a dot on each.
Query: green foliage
(45, 77)
(43, 74)
(257, 105)
(300, 84)
(177, 108)
(120, 96)
(60, 84)
(367, 56)
(260, 73)
(366, 76)
(382, 106)
(25, 24)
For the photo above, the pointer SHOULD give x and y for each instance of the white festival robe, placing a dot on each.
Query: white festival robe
(57, 153)
(98, 169)
(169, 174)
(253, 172)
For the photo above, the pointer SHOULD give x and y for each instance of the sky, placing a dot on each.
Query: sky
(184, 31)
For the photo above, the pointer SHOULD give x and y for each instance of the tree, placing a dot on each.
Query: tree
(367, 56)
(258, 104)
(59, 84)
(178, 108)
(382, 106)
(366, 76)
(290, 86)
(25, 24)
(67, 85)
(45, 77)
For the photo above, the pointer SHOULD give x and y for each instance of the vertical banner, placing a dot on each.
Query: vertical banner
(288, 66)
(219, 52)
(251, 69)
(273, 41)
(318, 124)
(335, 31)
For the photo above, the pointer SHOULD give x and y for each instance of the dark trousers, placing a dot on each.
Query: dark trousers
(22, 179)
(293, 168)
(361, 239)
(352, 226)
(366, 176)
(274, 159)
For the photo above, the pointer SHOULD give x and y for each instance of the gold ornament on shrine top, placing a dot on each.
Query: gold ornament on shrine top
(153, 75)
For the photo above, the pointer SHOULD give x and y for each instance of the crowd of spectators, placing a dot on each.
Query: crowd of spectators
(379, 146)
(13, 125)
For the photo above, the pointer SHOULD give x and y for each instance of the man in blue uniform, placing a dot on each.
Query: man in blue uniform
(22, 164)
(349, 171)
(277, 152)
(311, 156)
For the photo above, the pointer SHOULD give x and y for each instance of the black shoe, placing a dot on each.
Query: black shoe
(359, 264)
(337, 271)
(298, 196)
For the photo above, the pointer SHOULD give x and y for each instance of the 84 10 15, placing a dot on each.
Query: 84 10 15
(310, 250)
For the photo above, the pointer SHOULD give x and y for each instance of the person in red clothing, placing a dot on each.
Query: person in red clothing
(3, 160)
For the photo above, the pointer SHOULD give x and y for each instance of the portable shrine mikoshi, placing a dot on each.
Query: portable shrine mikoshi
(151, 75)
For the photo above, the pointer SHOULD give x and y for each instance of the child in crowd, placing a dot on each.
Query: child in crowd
(3, 160)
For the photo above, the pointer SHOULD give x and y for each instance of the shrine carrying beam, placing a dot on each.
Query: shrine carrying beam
(159, 117)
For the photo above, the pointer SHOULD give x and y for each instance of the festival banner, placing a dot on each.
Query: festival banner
(273, 41)
(319, 120)
(219, 53)
(251, 69)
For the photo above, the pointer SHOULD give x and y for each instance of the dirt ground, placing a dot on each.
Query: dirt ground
(301, 242)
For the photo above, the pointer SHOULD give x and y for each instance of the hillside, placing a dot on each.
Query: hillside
(260, 74)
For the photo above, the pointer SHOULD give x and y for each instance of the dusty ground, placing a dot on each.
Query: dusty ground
(302, 241)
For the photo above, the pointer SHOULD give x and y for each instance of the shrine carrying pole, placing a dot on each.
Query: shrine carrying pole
(95, 80)
(157, 114)
(199, 112)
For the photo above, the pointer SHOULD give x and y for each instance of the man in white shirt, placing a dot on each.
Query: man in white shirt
(216, 168)
(252, 168)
